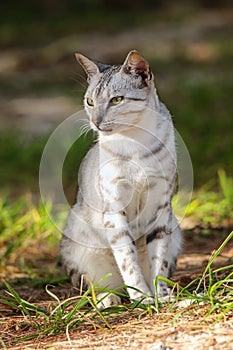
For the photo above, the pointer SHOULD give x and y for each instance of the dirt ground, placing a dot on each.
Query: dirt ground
(191, 331)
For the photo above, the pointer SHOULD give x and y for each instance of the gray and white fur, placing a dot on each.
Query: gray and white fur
(122, 223)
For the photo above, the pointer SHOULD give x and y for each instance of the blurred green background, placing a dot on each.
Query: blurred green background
(189, 45)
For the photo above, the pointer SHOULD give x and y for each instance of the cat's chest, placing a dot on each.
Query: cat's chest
(125, 175)
(125, 159)
(122, 170)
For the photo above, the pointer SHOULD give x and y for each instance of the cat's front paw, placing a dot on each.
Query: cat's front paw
(148, 301)
(144, 298)
(162, 292)
(106, 300)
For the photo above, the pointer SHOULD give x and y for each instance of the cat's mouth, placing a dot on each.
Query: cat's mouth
(105, 128)
(101, 127)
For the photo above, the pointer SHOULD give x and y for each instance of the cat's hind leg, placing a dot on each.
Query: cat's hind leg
(92, 267)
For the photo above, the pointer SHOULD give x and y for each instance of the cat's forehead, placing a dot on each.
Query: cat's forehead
(111, 81)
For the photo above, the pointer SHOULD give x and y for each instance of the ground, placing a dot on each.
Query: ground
(158, 331)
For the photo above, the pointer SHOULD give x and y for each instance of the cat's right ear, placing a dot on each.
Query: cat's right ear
(89, 66)
(137, 65)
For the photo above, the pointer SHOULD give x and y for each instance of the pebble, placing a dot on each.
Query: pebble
(159, 345)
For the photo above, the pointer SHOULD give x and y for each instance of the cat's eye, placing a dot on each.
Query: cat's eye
(90, 102)
(117, 99)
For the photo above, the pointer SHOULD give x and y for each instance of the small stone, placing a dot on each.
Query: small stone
(159, 345)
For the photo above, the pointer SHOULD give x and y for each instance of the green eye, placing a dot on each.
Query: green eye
(117, 99)
(90, 102)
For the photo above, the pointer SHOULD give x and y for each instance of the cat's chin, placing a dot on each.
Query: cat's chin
(105, 130)
(116, 129)
(112, 131)
(109, 130)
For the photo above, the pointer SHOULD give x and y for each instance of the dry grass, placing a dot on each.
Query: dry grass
(192, 331)
(181, 327)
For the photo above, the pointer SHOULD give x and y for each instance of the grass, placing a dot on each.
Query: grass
(29, 243)
(212, 205)
(214, 290)
(25, 227)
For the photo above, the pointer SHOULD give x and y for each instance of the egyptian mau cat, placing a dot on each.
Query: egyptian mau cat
(122, 223)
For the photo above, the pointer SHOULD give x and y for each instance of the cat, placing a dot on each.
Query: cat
(122, 223)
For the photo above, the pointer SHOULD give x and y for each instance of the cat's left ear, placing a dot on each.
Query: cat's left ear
(92, 68)
(137, 65)
(89, 66)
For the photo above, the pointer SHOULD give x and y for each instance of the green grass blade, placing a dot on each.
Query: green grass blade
(223, 268)
(26, 337)
(212, 259)
(18, 299)
(7, 301)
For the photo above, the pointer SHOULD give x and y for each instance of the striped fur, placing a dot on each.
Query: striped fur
(122, 222)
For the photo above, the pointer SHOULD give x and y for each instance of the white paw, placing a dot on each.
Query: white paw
(145, 298)
(106, 300)
(148, 301)
(162, 292)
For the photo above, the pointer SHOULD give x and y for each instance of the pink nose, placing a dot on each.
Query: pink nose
(95, 122)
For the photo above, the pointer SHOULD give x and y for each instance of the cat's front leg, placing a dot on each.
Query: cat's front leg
(158, 244)
(124, 251)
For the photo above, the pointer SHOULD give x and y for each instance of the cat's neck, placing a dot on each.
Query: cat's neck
(143, 134)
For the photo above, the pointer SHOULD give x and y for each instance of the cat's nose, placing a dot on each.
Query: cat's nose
(96, 122)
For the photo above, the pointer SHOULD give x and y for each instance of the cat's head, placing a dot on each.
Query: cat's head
(117, 95)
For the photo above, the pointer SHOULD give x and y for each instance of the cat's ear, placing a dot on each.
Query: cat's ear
(89, 66)
(137, 65)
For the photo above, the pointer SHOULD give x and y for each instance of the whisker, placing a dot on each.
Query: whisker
(84, 129)
(83, 83)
